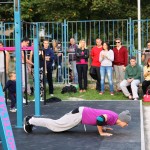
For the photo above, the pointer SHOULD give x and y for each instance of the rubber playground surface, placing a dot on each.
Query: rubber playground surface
(129, 138)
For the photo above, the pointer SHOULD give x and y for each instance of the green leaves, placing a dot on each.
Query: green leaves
(58, 10)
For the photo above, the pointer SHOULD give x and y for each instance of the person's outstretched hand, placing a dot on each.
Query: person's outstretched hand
(106, 134)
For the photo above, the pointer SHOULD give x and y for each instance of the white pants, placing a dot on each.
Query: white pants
(64, 123)
(134, 87)
(119, 73)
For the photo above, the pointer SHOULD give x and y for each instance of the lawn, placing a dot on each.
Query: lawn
(91, 94)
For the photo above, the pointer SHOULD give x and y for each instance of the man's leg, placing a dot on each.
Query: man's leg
(98, 86)
(116, 68)
(121, 76)
(134, 88)
(74, 69)
(123, 86)
(66, 122)
(119, 72)
(50, 81)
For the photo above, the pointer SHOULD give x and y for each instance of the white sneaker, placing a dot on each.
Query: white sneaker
(41, 99)
(51, 94)
(13, 109)
(24, 100)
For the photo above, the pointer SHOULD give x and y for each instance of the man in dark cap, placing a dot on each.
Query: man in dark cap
(81, 115)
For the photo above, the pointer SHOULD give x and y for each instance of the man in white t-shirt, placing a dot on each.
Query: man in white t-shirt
(2, 66)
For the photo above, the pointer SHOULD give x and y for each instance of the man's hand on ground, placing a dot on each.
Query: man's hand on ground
(106, 134)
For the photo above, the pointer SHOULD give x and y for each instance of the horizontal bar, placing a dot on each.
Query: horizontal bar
(6, 2)
(13, 48)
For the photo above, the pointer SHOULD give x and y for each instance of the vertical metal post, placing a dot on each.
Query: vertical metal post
(36, 70)
(139, 30)
(65, 48)
(5, 75)
(17, 14)
(25, 76)
(6, 133)
(130, 38)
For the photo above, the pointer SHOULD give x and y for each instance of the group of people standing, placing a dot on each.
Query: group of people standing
(128, 76)
(104, 61)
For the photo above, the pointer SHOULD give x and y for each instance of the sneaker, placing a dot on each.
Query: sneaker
(111, 93)
(84, 91)
(130, 97)
(13, 109)
(41, 99)
(51, 94)
(135, 99)
(24, 100)
(27, 126)
(101, 93)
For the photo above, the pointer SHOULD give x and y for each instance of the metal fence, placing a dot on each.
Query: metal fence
(107, 30)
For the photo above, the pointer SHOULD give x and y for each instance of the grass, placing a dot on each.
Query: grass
(91, 94)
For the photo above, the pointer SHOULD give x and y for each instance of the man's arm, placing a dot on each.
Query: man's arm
(7, 61)
(101, 120)
(143, 56)
(138, 75)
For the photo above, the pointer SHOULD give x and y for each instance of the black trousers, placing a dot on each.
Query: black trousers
(12, 97)
(82, 75)
(50, 80)
(145, 85)
(98, 85)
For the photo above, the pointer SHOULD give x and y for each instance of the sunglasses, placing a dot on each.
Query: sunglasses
(117, 42)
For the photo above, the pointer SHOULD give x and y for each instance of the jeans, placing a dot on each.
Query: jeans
(74, 69)
(103, 71)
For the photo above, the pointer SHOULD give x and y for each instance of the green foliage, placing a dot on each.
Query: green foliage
(55, 10)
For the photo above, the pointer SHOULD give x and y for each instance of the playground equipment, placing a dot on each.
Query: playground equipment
(5, 125)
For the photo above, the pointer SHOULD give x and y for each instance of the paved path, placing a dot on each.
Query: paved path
(146, 113)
